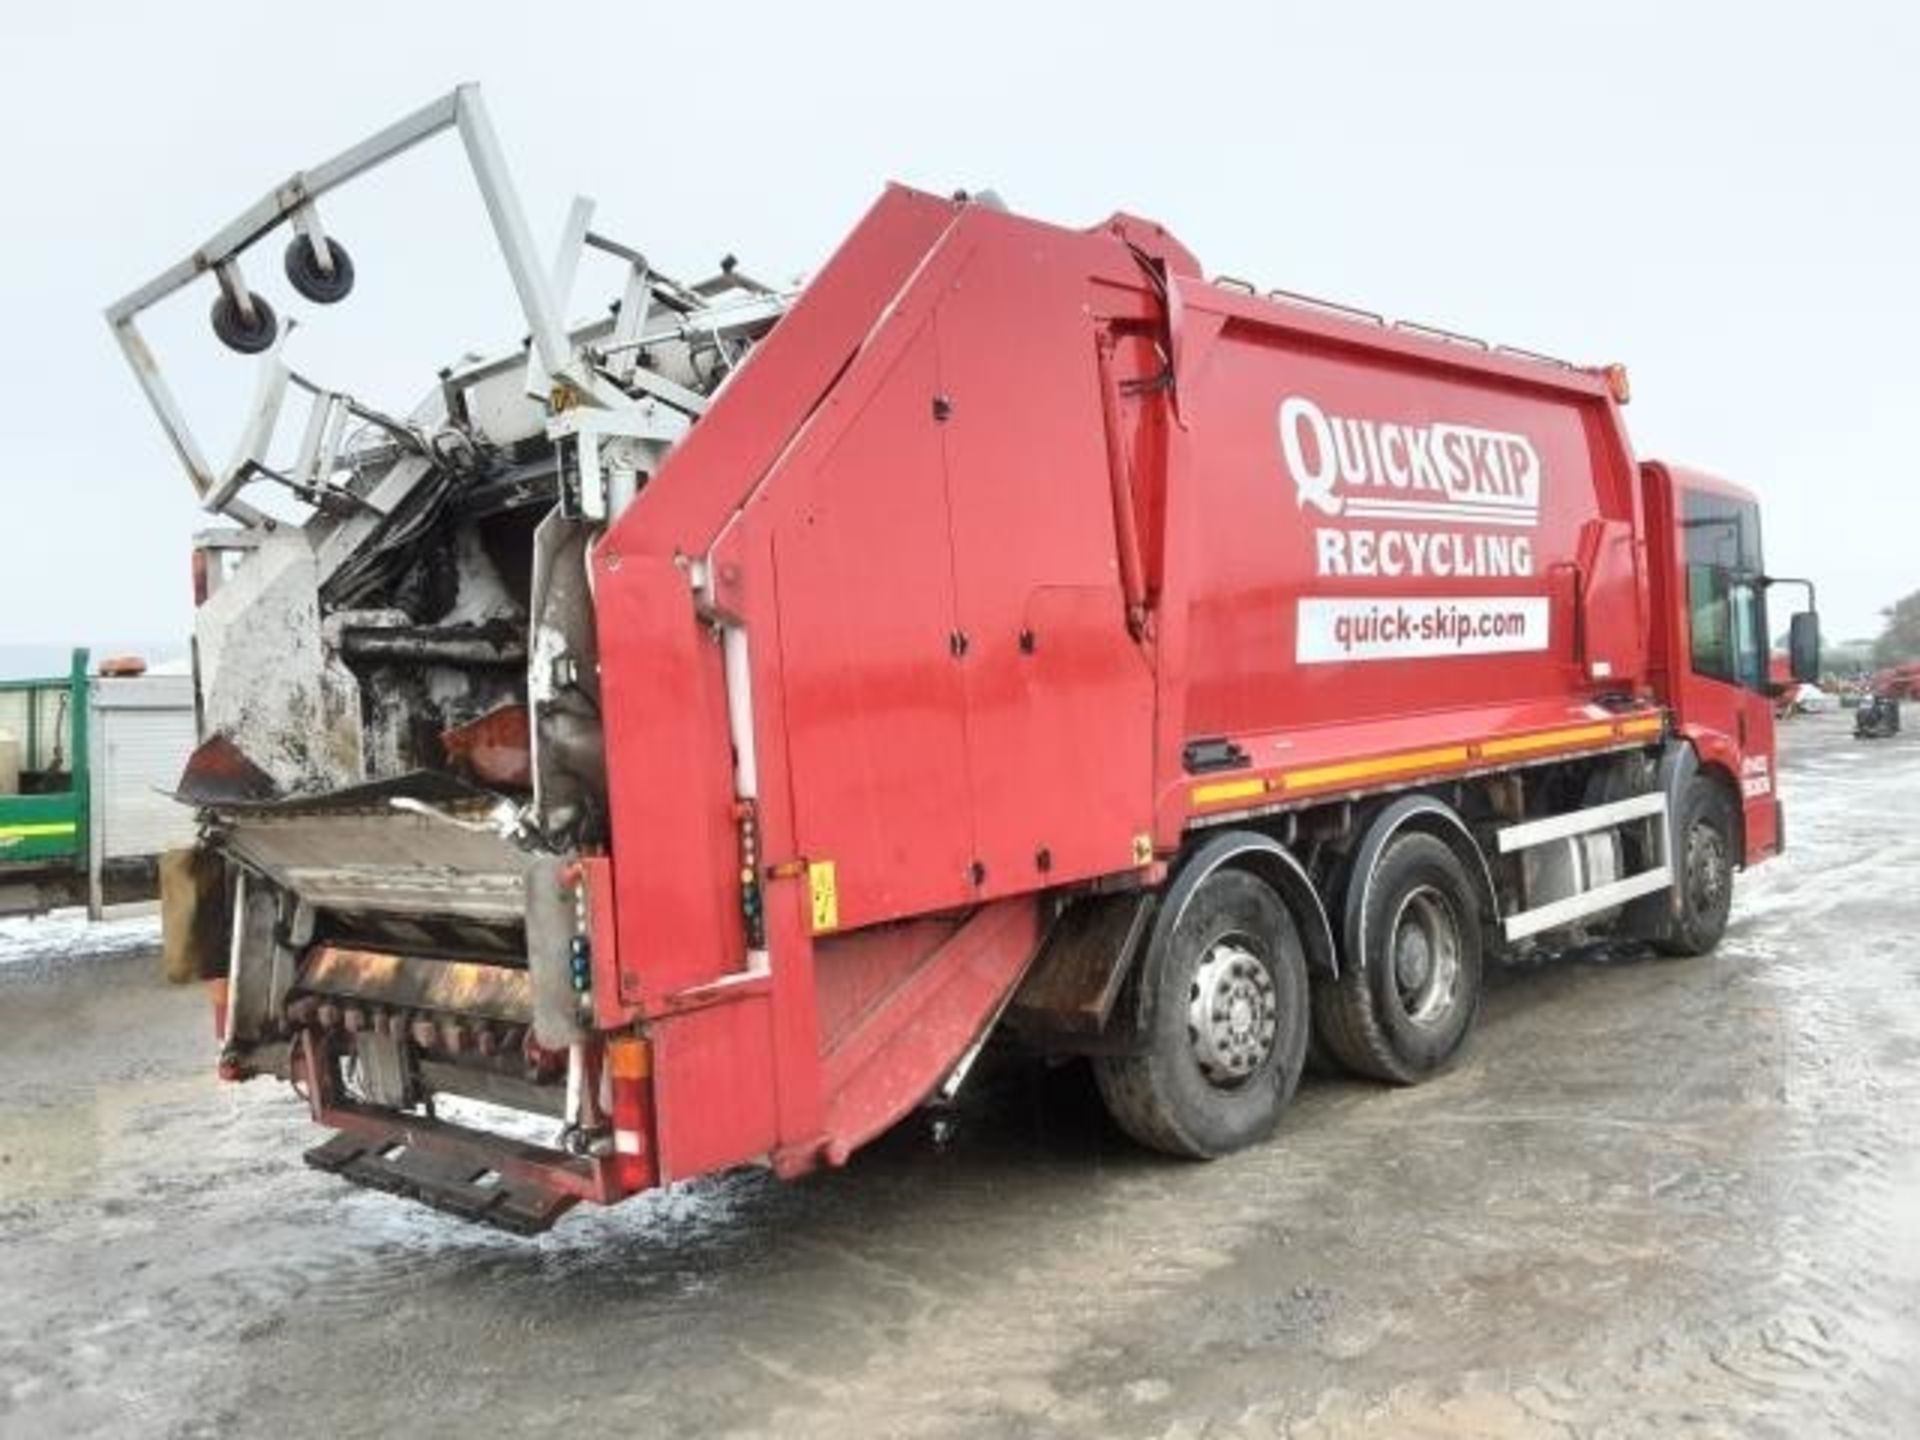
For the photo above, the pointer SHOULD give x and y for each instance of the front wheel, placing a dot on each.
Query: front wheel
(1229, 1025)
(1702, 870)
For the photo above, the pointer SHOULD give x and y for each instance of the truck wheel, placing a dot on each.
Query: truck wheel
(1703, 870)
(1229, 1028)
(1402, 1009)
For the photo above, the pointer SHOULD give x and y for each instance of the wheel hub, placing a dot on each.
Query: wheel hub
(1413, 959)
(1706, 864)
(1233, 1014)
(1426, 955)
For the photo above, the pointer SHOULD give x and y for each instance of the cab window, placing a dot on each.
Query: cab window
(1726, 608)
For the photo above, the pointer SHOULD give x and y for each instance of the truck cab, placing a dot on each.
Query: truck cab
(1710, 583)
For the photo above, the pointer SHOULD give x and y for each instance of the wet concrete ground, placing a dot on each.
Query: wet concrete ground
(1658, 1198)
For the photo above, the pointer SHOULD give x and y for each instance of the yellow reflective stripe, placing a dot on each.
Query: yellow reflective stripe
(1368, 769)
(1214, 791)
(1250, 787)
(1546, 740)
(49, 827)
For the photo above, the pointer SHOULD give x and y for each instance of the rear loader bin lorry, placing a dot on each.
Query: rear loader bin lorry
(704, 726)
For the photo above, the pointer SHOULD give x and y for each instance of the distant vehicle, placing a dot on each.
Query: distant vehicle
(1791, 697)
(1810, 700)
(1878, 718)
(87, 762)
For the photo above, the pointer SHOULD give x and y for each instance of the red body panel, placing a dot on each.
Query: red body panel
(1263, 551)
(1008, 515)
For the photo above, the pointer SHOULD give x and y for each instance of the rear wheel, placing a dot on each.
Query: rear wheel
(1402, 1007)
(1703, 870)
(1229, 1029)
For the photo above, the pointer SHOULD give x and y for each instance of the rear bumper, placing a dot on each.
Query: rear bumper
(484, 1178)
(491, 1179)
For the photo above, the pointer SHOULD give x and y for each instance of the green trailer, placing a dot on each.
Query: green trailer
(43, 822)
(85, 761)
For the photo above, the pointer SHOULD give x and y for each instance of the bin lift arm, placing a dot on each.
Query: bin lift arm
(294, 202)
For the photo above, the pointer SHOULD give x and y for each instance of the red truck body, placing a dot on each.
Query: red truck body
(1030, 639)
(1011, 517)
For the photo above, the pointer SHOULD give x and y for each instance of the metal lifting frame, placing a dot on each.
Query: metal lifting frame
(538, 290)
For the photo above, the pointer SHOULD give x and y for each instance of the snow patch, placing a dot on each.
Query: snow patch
(68, 934)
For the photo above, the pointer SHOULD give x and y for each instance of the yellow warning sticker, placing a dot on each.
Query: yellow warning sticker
(825, 889)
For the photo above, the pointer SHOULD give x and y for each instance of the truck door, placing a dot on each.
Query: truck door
(1726, 687)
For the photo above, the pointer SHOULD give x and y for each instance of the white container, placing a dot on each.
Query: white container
(141, 735)
(9, 763)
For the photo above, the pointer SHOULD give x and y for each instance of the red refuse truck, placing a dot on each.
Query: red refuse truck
(702, 729)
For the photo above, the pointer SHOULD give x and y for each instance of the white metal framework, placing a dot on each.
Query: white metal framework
(652, 407)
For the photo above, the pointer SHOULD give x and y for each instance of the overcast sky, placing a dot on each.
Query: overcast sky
(1725, 197)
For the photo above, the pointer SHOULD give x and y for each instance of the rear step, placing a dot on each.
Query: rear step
(483, 1178)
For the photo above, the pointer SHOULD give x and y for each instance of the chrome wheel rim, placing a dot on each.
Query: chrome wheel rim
(1424, 951)
(1233, 1013)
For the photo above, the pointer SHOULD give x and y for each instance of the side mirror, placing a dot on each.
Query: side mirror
(1803, 647)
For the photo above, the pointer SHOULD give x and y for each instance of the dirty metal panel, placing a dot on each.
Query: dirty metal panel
(263, 676)
(394, 861)
(411, 982)
(431, 787)
(1077, 976)
(218, 772)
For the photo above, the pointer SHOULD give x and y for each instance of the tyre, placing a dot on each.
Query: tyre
(1703, 869)
(231, 326)
(1401, 1008)
(1229, 1025)
(306, 275)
